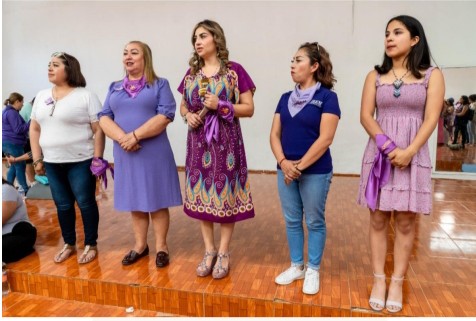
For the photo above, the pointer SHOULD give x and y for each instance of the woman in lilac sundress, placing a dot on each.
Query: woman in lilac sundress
(135, 116)
(216, 92)
(406, 94)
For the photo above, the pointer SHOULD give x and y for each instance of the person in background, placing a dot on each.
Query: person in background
(135, 115)
(406, 95)
(472, 119)
(215, 93)
(18, 234)
(25, 113)
(303, 129)
(14, 137)
(461, 121)
(448, 119)
(65, 129)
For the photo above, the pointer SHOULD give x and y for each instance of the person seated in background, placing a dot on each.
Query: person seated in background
(18, 234)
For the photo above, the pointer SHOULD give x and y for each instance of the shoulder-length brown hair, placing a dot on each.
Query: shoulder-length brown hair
(74, 77)
(196, 63)
(319, 54)
(150, 75)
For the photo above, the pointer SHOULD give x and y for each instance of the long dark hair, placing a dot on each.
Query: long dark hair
(319, 54)
(419, 57)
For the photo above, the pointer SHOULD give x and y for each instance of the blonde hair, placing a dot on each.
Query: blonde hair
(196, 63)
(150, 75)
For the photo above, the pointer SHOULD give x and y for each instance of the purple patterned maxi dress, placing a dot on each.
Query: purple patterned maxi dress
(217, 187)
(408, 189)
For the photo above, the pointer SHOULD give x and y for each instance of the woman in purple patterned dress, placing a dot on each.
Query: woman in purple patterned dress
(407, 94)
(216, 92)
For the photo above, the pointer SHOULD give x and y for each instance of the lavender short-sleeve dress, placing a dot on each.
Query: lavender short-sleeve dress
(408, 189)
(145, 180)
(217, 188)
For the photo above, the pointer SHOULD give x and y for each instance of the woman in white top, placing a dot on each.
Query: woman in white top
(65, 129)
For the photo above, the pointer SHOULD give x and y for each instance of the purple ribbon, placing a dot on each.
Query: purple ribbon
(380, 171)
(226, 111)
(99, 168)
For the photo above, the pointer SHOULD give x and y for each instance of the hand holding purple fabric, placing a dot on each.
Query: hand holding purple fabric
(99, 168)
(380, 171)
(226, 111)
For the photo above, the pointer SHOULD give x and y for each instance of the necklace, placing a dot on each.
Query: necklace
(214, 73)
(398, 83)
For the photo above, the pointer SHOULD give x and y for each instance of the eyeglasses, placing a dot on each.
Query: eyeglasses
(60, 54)
(318, 49)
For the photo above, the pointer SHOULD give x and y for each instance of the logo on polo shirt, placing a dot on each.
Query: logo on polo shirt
(316, 103)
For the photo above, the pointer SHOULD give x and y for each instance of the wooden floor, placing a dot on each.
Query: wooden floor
(441, 280)
(452, 160)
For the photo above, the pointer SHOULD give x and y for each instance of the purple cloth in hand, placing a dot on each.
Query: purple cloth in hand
(380, 171)
(226, 111)
(99, 168)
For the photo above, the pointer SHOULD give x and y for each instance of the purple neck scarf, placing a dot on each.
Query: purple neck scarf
(99, 167)
(300, 98)
(133, 87)
(380, 171)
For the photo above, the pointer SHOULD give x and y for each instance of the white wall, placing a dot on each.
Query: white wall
(261, 35)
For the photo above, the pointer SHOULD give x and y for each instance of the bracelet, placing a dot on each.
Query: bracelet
(282, 160)
(134, 134)
(184, 117)
(39, 160)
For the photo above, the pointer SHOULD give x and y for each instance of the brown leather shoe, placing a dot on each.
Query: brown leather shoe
(162, 259)
(133, 256)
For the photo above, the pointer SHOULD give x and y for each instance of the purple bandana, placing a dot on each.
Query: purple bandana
(380, 171)
(133, 87)
(99, 168)
(300, 98)
(226, 111)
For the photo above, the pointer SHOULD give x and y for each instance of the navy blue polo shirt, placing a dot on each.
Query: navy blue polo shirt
(298, 133)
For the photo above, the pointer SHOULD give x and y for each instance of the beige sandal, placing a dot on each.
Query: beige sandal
(89, 254)
(65, 253)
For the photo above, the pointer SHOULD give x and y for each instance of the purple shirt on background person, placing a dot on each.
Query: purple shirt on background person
(14, 127)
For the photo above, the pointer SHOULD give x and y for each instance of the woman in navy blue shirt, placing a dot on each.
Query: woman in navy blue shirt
(303, 128)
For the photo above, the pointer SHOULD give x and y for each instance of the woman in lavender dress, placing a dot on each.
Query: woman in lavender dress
(135, 115)
(407, 95)
(217, 188)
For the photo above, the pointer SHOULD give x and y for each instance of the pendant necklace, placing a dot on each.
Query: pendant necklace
(398, 83)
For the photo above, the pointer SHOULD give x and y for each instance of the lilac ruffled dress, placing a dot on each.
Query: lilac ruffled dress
(408, 189)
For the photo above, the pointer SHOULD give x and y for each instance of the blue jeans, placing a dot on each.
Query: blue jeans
(305, 196)
(72, 182)
(16, 170)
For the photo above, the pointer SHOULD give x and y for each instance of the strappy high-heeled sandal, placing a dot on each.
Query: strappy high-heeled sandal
(203, 269)
(377, 304)
(219, 272)
(392, 305)
(89, 254)
(65, 253)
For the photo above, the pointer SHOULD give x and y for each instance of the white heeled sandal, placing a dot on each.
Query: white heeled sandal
(395, 306)
(377, 304)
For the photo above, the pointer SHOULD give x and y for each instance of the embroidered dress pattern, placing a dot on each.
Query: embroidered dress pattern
(217, 187)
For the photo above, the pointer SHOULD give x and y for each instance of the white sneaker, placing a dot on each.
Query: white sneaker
(311, 282)
(290, 275)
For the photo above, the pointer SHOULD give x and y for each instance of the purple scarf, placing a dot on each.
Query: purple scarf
(300, 98)
(226, 111)
(380, 171)
(133, 87)
(99, 168)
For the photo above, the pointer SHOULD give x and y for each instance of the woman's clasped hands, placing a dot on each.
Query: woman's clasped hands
(290, 170)
(129, 142)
